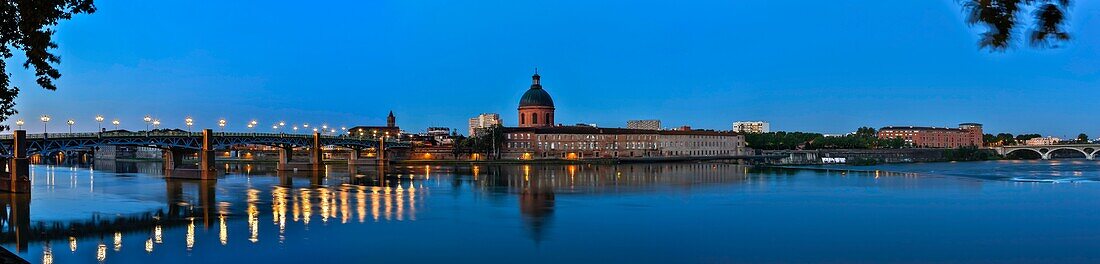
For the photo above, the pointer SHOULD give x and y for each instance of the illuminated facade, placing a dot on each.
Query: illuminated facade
(578, 142)
(966, 135)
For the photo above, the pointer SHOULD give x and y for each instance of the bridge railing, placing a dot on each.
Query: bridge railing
(183, 134)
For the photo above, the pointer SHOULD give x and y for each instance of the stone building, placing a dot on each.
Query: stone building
(536, 108)
(651, 124)
(483, 121)
(967, 134)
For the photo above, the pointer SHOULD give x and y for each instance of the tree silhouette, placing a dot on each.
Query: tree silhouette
(27, 25)
(1001, 17)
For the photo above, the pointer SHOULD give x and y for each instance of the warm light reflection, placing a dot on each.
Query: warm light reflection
(47, 254)
(306, 206)
(72, 244)
(253, 215)
(223, 233)
(149, 245)
(101, 253)
(361, 203)
(191, 234)
(157, 235)
(118, 241)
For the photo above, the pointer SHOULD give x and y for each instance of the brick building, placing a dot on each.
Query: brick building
(967, 134)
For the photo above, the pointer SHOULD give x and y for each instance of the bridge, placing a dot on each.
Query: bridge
(1089, 150)
(18, 146)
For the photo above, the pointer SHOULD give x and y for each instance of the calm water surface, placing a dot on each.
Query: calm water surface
(993, 212)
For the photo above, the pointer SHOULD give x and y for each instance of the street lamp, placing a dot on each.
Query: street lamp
(148, 119)
(115, 122)
(305, 125)
(250, 126)
(71, 123)
(275, 128)
(156, 123)
(295, 129)
(189, 123)
(221, 124)
(45, 119)
(99, 121)
(19, 123)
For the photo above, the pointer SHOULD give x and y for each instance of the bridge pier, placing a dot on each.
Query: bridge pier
(18, 178)
(285, 153)
(173, 160)
(316, 154)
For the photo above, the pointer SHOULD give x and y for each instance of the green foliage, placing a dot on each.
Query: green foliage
(1001, 19)
(1024, 137)
(28, 25)
(488, 142)
(970, 153)
(864, 138)
(1082, 138)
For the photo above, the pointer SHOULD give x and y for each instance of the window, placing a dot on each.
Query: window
(534, 118)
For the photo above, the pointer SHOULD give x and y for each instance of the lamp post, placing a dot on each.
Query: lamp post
(19, 123)
(45, 119)
(295, 128)
(148, 119)
(221, 124)
(70, 123)
(250, 126)
(282, 124)
(115, 122)
(275, 128)
(99, 122)
(156, 123)
(189, 123)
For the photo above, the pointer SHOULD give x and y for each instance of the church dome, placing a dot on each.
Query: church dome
(536, 96)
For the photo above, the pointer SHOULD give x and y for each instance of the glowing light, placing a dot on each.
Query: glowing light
(118, 241)
(101, 253)
(72, 244)
(149, 245)
(191, 235)
(223, 232)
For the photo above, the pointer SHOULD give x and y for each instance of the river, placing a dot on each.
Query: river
(992, 212)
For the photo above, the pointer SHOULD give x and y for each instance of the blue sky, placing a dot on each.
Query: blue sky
(824, 66)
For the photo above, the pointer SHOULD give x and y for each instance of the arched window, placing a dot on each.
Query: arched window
(534, 119)
(522, 119)
(548, 120)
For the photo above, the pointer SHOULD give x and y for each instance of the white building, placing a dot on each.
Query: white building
(751, 127)
(1040, 141)
(485, 120)
(652, 124)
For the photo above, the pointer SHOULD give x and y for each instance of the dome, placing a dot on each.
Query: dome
(536, 96)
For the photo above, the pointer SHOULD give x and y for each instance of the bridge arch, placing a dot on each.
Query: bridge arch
(1036, 151)
(1087, 155)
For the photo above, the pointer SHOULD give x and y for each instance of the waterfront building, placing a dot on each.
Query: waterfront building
(967, 134)
(538, 138)
(652, 124)
(391, 129)
(582, 142)
(483, 121)
(536, 108)
(1042, 141)
(751, 127)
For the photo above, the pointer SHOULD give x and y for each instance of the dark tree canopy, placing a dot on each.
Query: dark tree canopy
(1002, 17)
(27, 25)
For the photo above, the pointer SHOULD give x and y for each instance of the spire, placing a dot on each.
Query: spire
(535, 79)
(391, 121)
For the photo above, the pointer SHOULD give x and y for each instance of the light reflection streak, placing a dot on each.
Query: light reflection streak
(118, 241)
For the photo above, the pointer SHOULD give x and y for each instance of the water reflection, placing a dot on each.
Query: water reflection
(266, 207)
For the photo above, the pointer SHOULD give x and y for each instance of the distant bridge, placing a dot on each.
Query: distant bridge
(1089, 150)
